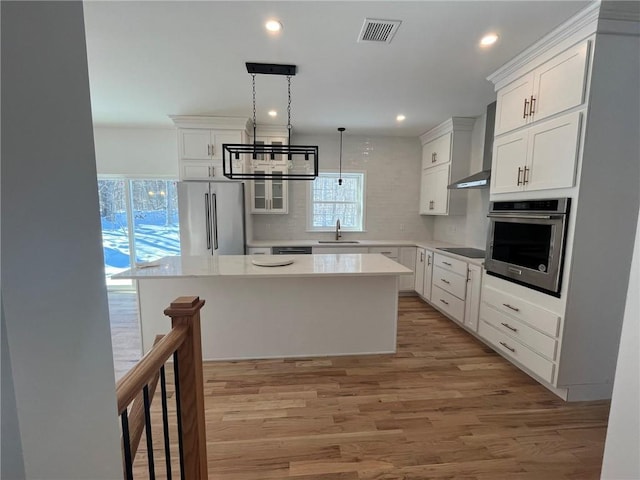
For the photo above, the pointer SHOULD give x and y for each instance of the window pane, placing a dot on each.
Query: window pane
(155, 219)
(333, 202)
(115, 232)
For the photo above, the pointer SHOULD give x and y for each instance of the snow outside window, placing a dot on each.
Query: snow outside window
(139, 220)
(329, 202)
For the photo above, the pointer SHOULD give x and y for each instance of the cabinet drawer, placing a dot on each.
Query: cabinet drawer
(449, 281)
(451, 264)
(539, 318)
(520, 353)
(539, 342)
(391, 252)
(446, 302)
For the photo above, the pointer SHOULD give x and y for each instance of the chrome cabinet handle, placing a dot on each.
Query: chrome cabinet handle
(512, 308)
(433, 157)
(444, 301)
(525, 177)
(519, 173)
(509, 326)
(508, 347)
(445, 281)
(446, 263)
(213, 150)
(421, 256)
(524, 112)
(428, 260)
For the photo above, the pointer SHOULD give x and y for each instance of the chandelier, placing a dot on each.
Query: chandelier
(302, 160)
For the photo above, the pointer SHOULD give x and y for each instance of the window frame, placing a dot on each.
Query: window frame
(363, 188)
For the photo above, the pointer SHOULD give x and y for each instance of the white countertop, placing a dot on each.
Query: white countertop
(429, 244)
(240, 266)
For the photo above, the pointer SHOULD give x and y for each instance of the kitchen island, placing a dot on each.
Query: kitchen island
(329, 304)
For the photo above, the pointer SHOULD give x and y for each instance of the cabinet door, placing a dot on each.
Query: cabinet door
(197, 170)
(278, 186)
(509, 158)
(560, 83)
(428, 274)
(407, 257)
(419, 276)
(553, 153)
(195, 144)
(472, 301)
(437, 151)
(219, 138)
(511, 111)
(433, 190)
(259, 196)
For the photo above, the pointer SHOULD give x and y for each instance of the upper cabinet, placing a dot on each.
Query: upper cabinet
(446, 154)
(270, 195)
(544, 154)
(200, 141)
(541, 157)
(557, 85)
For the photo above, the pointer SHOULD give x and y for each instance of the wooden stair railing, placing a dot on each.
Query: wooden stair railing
(135, 391)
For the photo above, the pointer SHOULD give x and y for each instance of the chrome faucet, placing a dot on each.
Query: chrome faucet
(338, 234)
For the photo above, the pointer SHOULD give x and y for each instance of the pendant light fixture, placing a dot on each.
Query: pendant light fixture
(341, 130)
(302, 159)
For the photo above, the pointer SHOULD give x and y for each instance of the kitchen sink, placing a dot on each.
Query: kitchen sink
(338, 241)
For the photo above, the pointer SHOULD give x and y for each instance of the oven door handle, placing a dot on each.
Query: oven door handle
(524, 217)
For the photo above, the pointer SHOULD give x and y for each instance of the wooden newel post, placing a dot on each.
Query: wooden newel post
(186, 311)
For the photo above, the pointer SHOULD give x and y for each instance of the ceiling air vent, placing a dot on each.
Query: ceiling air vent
(376, 30)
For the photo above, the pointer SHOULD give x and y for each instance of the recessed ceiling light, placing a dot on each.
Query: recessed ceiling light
(272, 113)
(400, 118)
(273, 26)
(488, 39)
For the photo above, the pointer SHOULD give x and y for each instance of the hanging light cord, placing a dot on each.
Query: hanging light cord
(253, 83)
(340, 129)
(289, 111)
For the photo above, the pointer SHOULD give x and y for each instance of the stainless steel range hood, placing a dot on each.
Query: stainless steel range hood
(481, 179)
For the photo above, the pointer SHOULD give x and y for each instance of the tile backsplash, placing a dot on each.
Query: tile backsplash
(392, 166)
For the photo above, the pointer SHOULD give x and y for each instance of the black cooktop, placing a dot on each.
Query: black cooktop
(465, 252)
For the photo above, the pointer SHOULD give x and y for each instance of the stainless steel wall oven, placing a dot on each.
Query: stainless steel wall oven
(526, 242)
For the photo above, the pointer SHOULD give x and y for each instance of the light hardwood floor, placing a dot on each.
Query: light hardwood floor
(444, 407)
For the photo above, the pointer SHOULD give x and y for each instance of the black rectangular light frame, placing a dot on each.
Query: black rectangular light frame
(233, 151)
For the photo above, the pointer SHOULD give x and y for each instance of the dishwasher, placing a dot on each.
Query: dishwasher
(291, 250)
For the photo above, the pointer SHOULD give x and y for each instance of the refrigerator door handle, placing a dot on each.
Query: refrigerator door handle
(207, 209)
(215, 221)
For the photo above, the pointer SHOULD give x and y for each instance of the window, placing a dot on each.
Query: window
(329, 202)
(139, 220)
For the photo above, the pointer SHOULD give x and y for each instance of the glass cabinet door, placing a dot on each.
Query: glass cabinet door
(259, 192)
(277, 191)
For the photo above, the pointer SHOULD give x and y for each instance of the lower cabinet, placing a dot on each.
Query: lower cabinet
(521, 331)
(451, 285)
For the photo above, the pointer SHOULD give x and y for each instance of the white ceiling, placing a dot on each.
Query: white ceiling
(148, 60)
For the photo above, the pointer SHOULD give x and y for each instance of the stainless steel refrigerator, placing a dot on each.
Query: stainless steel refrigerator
(211, 218)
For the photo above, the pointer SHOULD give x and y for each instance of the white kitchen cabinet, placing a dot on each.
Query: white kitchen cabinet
(407, 258)
(437, 151)
(269, 195)
(446, 155)
(543, 156)
(472, 299)
(421, 261)
(274, 159)
(434, 196)
(200, 140)
(553, 87)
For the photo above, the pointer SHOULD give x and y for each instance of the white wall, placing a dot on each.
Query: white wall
(621, 459)
(138, 152)
(55, 304)
(392, 189)
(469, 230)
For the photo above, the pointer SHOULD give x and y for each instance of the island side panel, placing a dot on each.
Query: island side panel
(247, 318)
